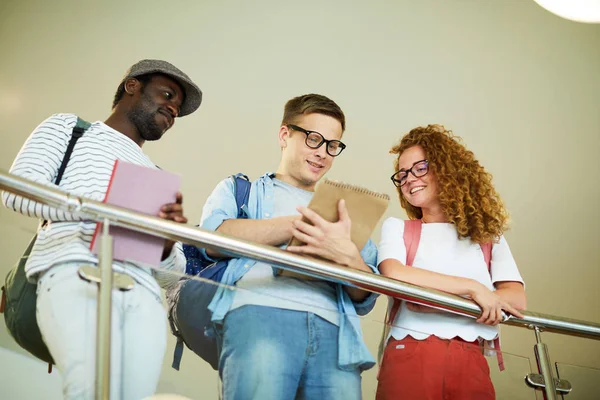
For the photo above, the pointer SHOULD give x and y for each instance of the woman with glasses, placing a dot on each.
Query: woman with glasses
(457, 214)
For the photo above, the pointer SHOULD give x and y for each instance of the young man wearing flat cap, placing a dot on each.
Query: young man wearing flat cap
(149, 98)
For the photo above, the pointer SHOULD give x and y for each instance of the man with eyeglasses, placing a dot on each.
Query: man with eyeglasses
(285, 337)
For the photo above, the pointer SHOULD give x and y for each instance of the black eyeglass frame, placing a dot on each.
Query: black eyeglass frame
(399, 183)
(341, 145)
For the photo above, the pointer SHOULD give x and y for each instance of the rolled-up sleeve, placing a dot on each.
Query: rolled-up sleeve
(219, 207)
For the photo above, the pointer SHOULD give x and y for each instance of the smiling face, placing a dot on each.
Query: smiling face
(156, 105)
(420, 192)
(300, 165)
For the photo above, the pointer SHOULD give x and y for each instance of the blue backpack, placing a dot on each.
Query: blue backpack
(189, 315)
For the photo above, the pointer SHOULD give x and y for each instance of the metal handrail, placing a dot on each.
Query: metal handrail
(235, 247)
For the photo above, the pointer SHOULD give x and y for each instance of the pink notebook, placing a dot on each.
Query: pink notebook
(144, 190)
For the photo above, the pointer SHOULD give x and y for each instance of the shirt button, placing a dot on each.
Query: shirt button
(246, 265)
(267, 215)
(268, 197)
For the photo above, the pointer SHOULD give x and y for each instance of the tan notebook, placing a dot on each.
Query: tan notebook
(365, 209)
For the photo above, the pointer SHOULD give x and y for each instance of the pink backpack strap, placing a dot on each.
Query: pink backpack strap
(412, 237)
(486, 248)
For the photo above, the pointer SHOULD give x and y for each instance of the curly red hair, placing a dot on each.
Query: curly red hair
(466, 193)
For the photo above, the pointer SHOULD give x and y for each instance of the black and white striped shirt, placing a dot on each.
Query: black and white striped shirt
(67, 236)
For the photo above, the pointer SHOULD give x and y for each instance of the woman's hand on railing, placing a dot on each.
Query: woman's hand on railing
(492, 305)
(427, 309)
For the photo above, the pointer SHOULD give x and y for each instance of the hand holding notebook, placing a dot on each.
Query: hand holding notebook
(144, 190)
(365, 209)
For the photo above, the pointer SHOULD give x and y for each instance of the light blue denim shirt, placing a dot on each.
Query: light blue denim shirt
(221, 205)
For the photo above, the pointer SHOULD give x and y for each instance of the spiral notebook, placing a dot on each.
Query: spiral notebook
(144, 190)
(365, 208)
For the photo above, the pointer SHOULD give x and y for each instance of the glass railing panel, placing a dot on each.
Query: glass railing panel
(585, 381)
(510, 383)
(196, 379)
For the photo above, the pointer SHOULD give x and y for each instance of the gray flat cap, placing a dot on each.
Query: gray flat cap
(193, 94)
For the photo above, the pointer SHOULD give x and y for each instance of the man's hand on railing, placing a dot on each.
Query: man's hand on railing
(172, 212)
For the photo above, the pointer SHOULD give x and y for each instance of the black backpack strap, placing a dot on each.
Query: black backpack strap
(178, 352)
(80, 127)
(78, 131)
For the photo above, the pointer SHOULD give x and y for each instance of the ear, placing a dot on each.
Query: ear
(132, 86)
(284, 134)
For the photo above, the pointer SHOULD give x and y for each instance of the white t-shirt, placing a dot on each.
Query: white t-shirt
(260, 287)
(441, 251)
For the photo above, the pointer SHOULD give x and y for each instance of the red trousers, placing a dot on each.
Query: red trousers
(434, 369)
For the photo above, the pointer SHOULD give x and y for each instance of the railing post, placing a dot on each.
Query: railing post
(545, 380)
(544, 365)
(103, 339)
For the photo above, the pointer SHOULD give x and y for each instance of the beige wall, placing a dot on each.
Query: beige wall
(520, 86)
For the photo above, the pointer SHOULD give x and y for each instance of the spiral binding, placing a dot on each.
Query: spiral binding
(357, 189)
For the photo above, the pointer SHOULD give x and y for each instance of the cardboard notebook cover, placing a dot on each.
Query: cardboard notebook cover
(365, 208)
(144, 190)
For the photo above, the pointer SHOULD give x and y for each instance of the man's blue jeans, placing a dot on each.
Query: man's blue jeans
(270, 353)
